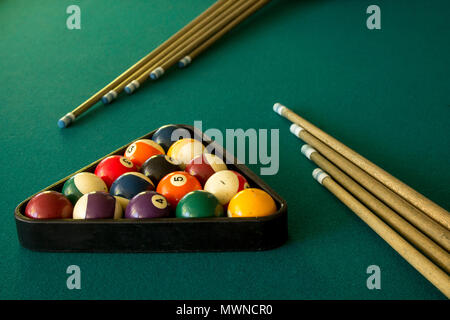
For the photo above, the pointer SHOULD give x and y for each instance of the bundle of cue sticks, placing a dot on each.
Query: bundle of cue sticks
(180, 49)
(414, 226)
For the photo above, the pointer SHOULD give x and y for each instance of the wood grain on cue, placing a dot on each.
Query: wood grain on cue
(408, 231)
(245, 9)
(132, 83)
(421, 263)
(430, 208)
(423, 222)
(71, 116)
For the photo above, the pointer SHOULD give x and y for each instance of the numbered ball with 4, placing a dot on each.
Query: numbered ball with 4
(82, 183)
(112, 167)
(49, 205)
(176, 185)
(97, 205)
(148, 204)
(225, 184)
(139, 151)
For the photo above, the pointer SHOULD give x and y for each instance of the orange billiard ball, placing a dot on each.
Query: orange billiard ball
(176, 185)
(251, 202)
(139, 151)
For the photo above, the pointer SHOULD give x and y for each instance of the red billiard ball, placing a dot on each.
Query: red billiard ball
(204, 166)
(49, 205)
(112, 167)
(176, 185)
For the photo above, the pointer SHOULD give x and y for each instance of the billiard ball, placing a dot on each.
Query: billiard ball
(185, 150)
(49, 205)
(157, 167)
(97, 205)
(139, 151)
(82, 183)
(112, 167)
(130, 184)
(175, 185)
(251, 202)
(169, 134)
(199, 204)
(225, 184)
(147, 204)
(204, 166)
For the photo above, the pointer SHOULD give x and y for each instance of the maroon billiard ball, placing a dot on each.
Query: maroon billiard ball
(49, 205)
(204, 166)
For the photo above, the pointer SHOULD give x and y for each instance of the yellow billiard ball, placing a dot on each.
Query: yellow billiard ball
(251, 202)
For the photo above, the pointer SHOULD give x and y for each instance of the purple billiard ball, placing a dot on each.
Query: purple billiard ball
(147, 204)
(97, 205)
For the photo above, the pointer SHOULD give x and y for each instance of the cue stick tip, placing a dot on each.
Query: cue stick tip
(109, 97)
(295, 129)
(132, 86)
(279, 108)
(319, 175)
(183, 63)
(307, 150)
(65, 121)
(157, 73)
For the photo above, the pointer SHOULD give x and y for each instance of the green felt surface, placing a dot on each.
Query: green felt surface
(385, 93)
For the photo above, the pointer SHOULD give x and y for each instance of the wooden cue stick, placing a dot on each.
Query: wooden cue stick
(421, 263)
(430, 208)
(409, 232)
(71, 116)
(186, 60)
(430, 227)
(249, 10)
(207, 28)
(131, 83)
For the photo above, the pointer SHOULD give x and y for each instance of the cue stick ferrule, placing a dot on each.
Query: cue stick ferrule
(65, 121)
(307, 150)
(132, 86)
(109, 97)
(279, 108)
(157, 73)
(295, 129)
(319, 175)
(183, 63)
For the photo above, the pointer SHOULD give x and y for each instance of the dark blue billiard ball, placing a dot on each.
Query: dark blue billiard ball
(130, 184)
(169, 134)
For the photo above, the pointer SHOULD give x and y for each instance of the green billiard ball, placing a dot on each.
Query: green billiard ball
(82, 183)
(199, 204)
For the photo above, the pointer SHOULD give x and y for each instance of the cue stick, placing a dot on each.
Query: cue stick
(159, 71)
(421, 263)
(409, 232)
(130, 84)
(71, 116)
(430, 208)
(186, 60)
(430, 227)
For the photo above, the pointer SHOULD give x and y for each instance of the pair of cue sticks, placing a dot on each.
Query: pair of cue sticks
(107, 94)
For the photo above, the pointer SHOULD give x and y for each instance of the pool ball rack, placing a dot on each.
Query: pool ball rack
(159, 234)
